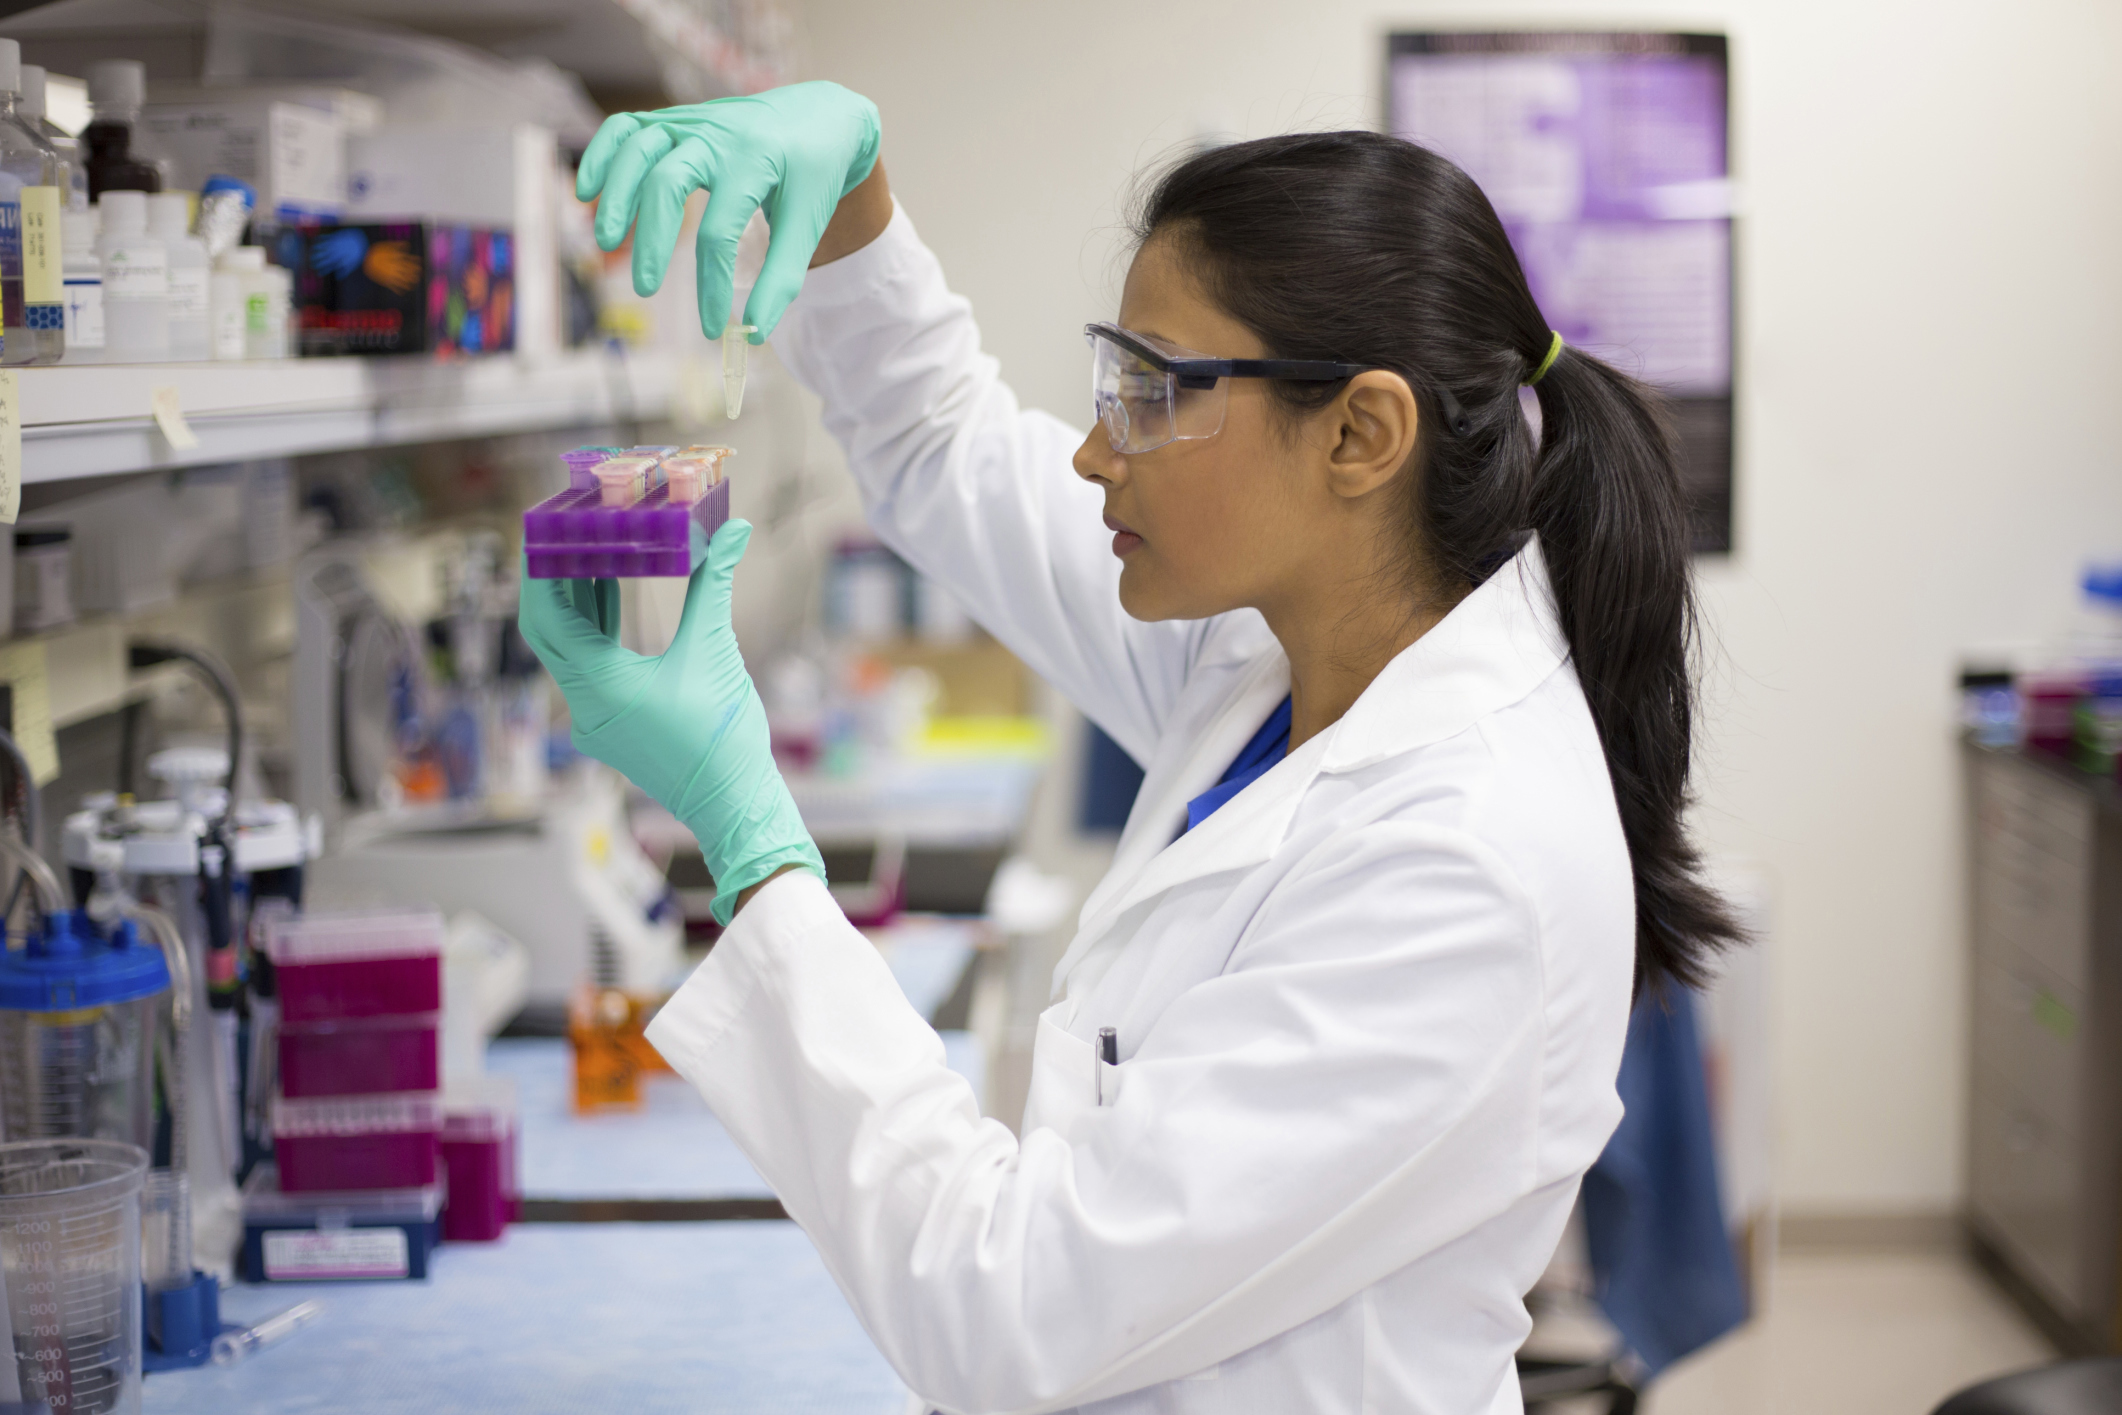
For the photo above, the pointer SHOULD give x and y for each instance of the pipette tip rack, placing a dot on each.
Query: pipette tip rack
(628, 511)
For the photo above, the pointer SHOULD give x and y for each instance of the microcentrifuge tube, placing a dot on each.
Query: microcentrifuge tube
(242, 1343)
(735, 351)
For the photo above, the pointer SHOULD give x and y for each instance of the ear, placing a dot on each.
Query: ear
(1374, 421)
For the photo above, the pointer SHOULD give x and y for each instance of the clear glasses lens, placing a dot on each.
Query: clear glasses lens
(1143, 408)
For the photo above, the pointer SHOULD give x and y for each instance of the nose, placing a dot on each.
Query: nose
(1095, 460)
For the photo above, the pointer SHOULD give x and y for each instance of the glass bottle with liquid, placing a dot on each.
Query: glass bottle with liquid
(116, 163)
(32, 308)
(31, 111)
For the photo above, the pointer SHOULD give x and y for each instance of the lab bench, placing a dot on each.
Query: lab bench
(568, 1317)
(2044, 1136)
(563, 1319)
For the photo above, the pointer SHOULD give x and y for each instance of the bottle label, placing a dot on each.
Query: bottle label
(43, 291)
(135, 273)
(11, 263)
(187, 292)
(257, 312)
(84, 313)
(227, 333)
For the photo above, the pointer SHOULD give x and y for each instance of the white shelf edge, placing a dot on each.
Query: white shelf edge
(92, 420)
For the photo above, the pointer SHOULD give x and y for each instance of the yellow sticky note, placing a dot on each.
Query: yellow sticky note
(22, 668)
(169, 416)
(10, 448)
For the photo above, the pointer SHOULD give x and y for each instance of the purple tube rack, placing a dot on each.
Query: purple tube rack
(574, 536)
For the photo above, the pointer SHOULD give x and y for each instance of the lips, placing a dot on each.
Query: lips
(1125, 539)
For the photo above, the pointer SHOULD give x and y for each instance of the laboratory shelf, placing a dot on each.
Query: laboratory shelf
(91, 420)
(563, 1319)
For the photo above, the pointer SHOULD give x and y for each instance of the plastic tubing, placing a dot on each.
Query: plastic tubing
(50, 898)
(171, 942)
(25, 783)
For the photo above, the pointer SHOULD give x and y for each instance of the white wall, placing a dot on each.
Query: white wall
(1928, 305)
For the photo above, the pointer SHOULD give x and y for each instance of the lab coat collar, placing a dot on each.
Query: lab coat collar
(1497, 645)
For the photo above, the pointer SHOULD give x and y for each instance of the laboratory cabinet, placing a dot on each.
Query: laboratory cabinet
(2044, 1135)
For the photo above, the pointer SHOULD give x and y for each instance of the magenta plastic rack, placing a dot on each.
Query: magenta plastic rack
(572, 536)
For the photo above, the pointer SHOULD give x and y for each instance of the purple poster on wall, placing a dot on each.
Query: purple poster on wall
(1606, 157)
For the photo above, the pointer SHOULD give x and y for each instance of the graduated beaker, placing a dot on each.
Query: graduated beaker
(70, 1261)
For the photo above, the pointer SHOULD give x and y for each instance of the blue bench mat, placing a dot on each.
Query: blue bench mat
(564, 1319)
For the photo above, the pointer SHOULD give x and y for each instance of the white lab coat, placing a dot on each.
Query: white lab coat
(1370, 1013)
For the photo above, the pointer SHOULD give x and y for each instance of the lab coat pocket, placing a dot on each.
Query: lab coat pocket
(1064, 1084)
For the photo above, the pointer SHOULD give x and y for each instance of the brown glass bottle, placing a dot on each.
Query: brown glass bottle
(116, 89)
(111, 165)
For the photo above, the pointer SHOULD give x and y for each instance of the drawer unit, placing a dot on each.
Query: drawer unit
(2044, 1137)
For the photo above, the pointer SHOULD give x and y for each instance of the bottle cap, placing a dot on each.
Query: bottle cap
(32, 104)
(243, 258)
(169, 215)
(124, 214)
(71, 963)
(10, 66)
(117, 83)
(217, 184)
(2104, 582)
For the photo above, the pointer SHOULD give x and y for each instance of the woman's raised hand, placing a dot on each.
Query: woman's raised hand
(794, 151)
(686, 726)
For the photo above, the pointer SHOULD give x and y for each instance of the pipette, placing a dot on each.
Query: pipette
(735, 355)
(233, 1346)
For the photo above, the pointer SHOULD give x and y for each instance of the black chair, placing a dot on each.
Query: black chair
(1546, 1383)
(2067, 1388)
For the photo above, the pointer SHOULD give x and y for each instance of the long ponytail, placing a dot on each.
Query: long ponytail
(1367, 249)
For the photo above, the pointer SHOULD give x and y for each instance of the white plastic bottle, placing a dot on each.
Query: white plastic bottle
(168, 221)
(228, 300)
(135, 281)
(82, 276)
(271, 292)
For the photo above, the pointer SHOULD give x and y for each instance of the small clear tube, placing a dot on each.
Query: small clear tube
(233, 1346)
(735, 356)
(623, 480)
(166, 1230)
(694, 472)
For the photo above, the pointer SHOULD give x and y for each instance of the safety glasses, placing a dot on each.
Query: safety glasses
(1148, 392)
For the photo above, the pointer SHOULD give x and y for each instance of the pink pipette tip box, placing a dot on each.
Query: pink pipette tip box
(578, 535)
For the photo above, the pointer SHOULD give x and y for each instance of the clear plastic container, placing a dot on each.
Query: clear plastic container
(371, 963)
(77, 1032)
(354, 1056)
(357, 1142)
(70, 1259)
(337, 1236)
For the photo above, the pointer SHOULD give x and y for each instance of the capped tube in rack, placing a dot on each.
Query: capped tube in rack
(694, 472)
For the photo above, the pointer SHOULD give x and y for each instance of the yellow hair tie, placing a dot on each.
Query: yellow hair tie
(1554, 351)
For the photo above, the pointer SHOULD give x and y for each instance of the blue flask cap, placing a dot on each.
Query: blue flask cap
(72, 963)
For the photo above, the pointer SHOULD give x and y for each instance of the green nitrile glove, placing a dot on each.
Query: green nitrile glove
(686, 727)
(795, 151)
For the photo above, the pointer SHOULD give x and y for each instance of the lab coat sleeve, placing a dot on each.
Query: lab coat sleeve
(1357, 1089)
(977, 493)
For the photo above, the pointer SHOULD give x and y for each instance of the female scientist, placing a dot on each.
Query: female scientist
(1338, 1035)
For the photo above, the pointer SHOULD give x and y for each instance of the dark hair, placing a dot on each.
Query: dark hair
(1367, 249)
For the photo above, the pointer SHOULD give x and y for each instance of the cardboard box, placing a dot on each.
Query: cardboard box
(504, 177)
(402, 287)
(293, 156)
